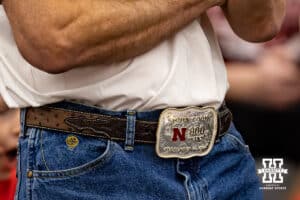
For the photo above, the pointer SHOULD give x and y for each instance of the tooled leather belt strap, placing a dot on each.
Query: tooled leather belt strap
(103, 126)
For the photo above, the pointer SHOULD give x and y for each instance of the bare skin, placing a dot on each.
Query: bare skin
(255, 20)
(272, 82)
(57, 36)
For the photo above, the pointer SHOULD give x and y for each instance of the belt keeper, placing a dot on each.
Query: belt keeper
(23, 126)
(130, 130)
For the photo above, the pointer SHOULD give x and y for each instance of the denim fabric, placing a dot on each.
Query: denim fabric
(108, 170)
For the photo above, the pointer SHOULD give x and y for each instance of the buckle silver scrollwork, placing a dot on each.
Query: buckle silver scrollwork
(187, 132)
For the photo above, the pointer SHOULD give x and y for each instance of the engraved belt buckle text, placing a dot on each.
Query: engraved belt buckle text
(187, 132)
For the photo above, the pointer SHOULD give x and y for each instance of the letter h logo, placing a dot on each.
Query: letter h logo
(272, 170)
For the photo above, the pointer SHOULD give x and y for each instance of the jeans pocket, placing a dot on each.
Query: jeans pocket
(234, 138)
(55, 154)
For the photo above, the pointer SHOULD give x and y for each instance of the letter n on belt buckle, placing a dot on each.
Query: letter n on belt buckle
(187, 132)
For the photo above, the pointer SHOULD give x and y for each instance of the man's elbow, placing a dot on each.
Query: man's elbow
(260, 33)
(268, 33)
(51, 57)
(262, 28)
(51, 65)
(48, 64)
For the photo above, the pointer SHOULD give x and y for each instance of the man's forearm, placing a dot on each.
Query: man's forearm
(56, 36)
(255, 20)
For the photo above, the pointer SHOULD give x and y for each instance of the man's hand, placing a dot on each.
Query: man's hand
(272, 82)
(56, 36)
(278, 79)
(255, 20)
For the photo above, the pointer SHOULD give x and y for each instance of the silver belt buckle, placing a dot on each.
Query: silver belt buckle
(187, 132)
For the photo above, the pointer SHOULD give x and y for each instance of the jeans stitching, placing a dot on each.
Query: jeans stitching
(18, 172)
(240, 143)
(42, 151)
(185, 183)
(205, 194)
(30, 161)
(98, 162)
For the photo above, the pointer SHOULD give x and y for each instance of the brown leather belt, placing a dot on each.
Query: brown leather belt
(104, 126)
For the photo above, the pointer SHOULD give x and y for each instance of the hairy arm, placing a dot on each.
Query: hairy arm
(255, 20)
(56, 36)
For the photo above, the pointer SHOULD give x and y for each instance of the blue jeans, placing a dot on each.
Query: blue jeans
(91, 169)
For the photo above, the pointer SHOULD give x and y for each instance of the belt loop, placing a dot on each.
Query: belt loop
(130, 130)
(22, 122)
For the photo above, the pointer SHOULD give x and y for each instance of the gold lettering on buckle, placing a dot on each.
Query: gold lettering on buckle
(187, 132)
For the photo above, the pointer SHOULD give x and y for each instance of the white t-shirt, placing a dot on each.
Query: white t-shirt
(185, 70)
